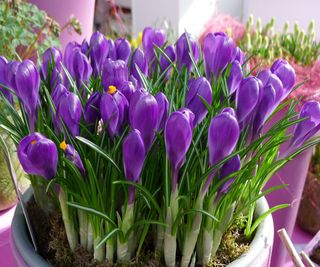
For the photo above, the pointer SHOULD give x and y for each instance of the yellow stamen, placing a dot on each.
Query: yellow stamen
(112, 89)
(33, 142)
(140, 38)
(134, 43)
(63, 145)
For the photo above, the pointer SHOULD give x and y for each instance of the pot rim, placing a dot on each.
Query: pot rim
(25, 250)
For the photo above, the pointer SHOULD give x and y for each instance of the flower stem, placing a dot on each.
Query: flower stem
(71, 232)
(170, 238)
(90, 237)
(98, 252)
(192, 234)
(83, 228)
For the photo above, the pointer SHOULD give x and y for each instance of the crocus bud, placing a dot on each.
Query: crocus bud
(10, 74)
(268, 78)
(144, 114)
(68, 54)
(123, 49)
(264, 108)
(217, 51)
(231, 166)
(235, 77)
(223, 135)
(99, 50)
(114, 108)
(163, 106)
(150, 38)
(310, 126)
(114, 73)
(138, 60)
(247, 97)
(52, 58)
(80, 69)
(199, 87)
(182, 50)
(286, 74)
(70, 111)
(28, 85)
(57, 93)
(178, 137)
(165, 64)
(56, 78)
(38, 155)
(73, 156)
(92, 110)
(4, 81)
(134, 153)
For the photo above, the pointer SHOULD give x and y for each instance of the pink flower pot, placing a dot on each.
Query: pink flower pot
(61, 10)
(294, 174)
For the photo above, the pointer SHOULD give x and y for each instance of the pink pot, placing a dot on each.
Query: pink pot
(294, 174)
(61, 10)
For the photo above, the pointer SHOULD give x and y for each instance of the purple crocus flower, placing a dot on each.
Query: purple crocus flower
(52, 58)
(150, 38)
(27, 86)
(165, 64)
(286, 74)
(10, 74)
(73, 156)
(223, 136)
(218, 52)
(4, 81)
(183, 51)
(114, 73)
(92, 110)
(178, 137)
(68, 54)
(134, 153)
(163, 106)
(231, 166)
(38, 155)
(247, 97)
(268, 78)
(70, 111)
(59, 91)
(138, 60)
(264, 108)
(198, 88)
(99, 49)
(235, 77)
(80, 69)
(144, 116)
(310, 126)
(123, 49)
(114, 108)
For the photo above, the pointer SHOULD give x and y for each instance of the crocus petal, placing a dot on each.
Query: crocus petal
(247, 97)
(138, 60)
(286, 74)
(143, 114)
(114, 73)
(182, 51)
(52, 58)
(109, 113)
(163, 106)
(199, 88)
(92, 110)
(235, 77)
(165, 64)
(231, 166)
(123, 49)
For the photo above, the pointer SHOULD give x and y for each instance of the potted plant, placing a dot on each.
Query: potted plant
(151, 156)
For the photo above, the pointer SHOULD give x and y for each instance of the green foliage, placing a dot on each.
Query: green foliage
(25, 31)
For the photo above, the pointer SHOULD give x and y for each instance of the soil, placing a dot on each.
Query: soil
(315, 255)
(53, 245)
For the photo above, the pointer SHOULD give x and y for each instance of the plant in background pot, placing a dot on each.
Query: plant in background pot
(152, 155)
(310, 200)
